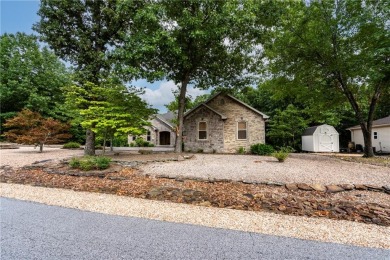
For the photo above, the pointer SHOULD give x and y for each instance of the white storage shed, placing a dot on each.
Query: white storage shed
(322, 138)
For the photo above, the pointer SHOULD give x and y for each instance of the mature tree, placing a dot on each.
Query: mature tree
(31, 76)
(204, 43)
(29, 127)
(325, 47)
(286, 127)
(83, 33)
(109, 110)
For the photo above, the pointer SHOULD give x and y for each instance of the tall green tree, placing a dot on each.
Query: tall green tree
(204, 43)
(31, 76)
(331, 47)
(109, 110)
(84, 33)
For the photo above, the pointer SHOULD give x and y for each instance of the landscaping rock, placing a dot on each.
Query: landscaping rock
(318, 187)
(334, 188)
(275, 183)
(374, 188)
(291, 186)
(360, 187)
(347, 186)
(304, 186)
(180, 158)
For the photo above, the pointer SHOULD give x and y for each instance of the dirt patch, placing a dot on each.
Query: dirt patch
(223, 194)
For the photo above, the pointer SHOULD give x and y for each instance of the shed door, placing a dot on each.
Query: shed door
(326, 143)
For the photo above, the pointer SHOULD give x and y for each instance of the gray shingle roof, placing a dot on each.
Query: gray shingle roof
(310, 130)
(378, 122)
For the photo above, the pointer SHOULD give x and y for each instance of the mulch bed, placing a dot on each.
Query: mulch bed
(233, 195)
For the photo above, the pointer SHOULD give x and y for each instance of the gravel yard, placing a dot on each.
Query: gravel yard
(307, 168)
(28, 155)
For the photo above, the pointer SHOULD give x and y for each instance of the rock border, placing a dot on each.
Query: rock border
(333, 188)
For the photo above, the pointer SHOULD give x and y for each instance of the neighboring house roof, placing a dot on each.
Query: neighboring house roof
(376, 123)
(222, 116)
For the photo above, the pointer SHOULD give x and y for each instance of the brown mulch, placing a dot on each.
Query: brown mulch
(234, 195)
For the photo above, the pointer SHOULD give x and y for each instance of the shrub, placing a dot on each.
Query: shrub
(88, 163)
(71, 145)
(241, 150)
(74, 163)
(200, 150)
(262, 149)
(282, 154)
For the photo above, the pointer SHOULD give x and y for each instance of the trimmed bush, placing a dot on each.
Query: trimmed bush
(71, 145)
(88, 163)
(262, 149)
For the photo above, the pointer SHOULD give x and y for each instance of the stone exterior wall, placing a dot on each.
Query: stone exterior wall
(155, 139)
(236, 112)
(214, 141)
(222, 134)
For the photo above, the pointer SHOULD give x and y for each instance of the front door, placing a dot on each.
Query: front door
(165, 138)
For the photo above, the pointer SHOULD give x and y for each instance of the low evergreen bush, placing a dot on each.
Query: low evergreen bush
(88, 163)
(71, 145)
(262, 149)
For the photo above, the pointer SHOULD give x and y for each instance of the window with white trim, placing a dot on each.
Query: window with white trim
(375, 135)
(242, 130)
(202, 130)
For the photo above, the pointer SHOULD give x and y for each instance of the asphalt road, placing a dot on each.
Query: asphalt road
(36, 231)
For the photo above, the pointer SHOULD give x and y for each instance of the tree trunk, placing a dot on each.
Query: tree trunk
(90, 143)
(111, 145)
(180, 115)
(368, 151)
(104, 142)
(41, 147)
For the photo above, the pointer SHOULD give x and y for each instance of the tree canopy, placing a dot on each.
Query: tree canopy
(205, 43)
(334, 49)
(29, 127)
(31, 76)
(85, 33)
(110, 109)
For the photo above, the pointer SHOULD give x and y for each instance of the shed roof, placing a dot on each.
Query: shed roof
(310, 130)
(376, 123)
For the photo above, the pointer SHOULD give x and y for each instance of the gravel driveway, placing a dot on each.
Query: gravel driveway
(306, 168)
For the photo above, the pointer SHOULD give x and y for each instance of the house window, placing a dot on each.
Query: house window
(241, 130)
(148, 136)
(134, 137)
(375, 135)
(202, 131)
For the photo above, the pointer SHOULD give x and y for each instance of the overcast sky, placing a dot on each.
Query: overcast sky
(20, 15)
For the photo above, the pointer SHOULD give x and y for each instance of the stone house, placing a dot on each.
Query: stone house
(223, 124)
(161, 132)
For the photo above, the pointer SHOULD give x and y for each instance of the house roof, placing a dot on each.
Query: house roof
(223, 116)
(376, 123)
(166, 118)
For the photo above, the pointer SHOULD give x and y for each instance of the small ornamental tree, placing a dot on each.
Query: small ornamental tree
(109, 110)
(29, 127)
